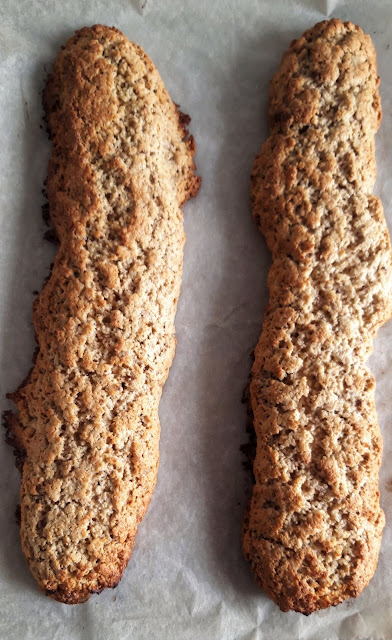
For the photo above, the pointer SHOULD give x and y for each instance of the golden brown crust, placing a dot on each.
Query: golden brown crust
(87, 422)
(313, 529)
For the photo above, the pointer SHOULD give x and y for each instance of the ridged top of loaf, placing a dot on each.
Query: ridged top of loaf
(314, 526)
(120, 168)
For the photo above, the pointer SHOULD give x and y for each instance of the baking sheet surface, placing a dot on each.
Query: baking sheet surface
(187, 578)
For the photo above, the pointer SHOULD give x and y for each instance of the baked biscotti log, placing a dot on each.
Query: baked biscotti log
(313, 528)
(87, 425)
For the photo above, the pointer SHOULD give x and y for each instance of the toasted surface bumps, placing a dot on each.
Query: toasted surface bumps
(87, 424)
(313, 528)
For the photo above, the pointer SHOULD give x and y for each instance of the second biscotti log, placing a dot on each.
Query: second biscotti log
(87, 426)
(314, 525)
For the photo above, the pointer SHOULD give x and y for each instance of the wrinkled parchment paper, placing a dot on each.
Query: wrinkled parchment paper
(187, 578)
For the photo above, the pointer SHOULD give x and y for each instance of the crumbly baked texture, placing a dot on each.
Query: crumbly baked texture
(313, 528)
(87, 426)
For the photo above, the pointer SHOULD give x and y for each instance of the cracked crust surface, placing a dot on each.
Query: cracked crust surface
(87, 426)
(313, 529)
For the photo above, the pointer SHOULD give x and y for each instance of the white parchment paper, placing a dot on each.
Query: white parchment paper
(187, 578)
